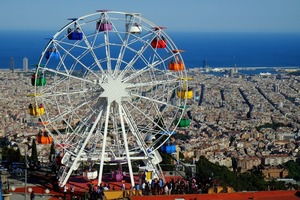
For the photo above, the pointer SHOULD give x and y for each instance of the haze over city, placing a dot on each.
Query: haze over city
(183, 16)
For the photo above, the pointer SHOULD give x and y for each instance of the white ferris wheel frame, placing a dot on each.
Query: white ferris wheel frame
(116, 91)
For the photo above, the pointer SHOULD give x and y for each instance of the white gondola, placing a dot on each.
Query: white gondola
(133, 23)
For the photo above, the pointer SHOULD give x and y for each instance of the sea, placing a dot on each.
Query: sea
(211, 49)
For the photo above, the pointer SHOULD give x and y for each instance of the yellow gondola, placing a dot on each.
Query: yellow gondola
(34, 95)
(186, 79)
(185, 93)
(36, 110)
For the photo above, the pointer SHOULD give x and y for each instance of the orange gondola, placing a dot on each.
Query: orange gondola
(44, 138)
(176, 64)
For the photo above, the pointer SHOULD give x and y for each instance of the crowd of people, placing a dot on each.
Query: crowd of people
(158, 187)
(155, 187)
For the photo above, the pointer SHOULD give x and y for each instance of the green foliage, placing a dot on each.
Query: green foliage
(234, 164)
(207, 172)
(274, 125)
(11, 155)
(296, 73)
(277, 185)
(294, 169)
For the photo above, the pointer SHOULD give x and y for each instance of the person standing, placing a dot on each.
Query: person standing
(72, 191)
(32, 195)
(65, 192)
(166, 189)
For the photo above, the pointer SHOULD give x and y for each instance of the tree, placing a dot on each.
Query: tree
(234, 164)
(34, 156)
(294, 169)
(17, 155)
(208, 172)
(11, 154)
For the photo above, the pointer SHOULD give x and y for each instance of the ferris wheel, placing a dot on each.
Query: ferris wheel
(111, 88)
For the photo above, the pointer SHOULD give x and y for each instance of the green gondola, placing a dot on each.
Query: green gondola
(183, 122)
(38, 80)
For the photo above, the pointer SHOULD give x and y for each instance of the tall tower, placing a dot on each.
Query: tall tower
(204, 64)
(12, 64)
(25, 64)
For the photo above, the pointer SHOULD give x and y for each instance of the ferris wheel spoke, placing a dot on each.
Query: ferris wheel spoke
(146, 68)
(71, 44)
(78, 61)
(90, 48)
(46, 95)
(69, 111)
(155, 100)
(149, 118)
(79, 154)
(73, 66)
(65, 55)
(153, 83)
(61, 62)
(68, 75)
(95, 39)
(78, 130)
(125, 45)
(134, 128)
(122, 53)
(142, 56)
(138, 54)
(139, 38)
(139, 72)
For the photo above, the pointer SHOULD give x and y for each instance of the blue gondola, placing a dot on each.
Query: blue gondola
(74, 34)
(168, 148)
(52, 53)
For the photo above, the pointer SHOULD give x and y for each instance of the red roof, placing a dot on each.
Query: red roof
(265, 195)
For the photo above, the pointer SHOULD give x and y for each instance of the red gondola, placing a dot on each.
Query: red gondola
(159, 42)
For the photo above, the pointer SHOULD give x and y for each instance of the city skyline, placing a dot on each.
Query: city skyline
(183, 16)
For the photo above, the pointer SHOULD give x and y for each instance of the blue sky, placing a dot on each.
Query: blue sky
(177, 15)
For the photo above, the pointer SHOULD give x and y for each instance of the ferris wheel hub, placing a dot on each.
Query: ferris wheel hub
(115, 89)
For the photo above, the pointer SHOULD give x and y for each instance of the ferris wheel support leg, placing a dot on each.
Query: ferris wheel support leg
(103, 145)
(126, 147)
(64, 181)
